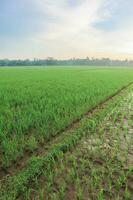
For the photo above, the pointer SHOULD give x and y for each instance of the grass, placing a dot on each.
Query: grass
(36, 106)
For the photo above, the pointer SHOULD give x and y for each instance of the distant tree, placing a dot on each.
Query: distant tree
(50, 61)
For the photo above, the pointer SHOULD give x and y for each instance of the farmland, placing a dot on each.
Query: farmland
(66, 133)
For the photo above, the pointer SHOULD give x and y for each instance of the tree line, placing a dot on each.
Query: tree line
(68, 62)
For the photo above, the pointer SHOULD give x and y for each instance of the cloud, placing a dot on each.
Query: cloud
(114, 15)
(66, 28)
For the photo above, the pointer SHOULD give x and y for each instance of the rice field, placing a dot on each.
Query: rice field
(66, 133)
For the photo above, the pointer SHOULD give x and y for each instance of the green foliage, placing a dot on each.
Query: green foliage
(31, 143)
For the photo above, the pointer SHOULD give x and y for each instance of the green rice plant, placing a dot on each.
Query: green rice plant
(31, 143)
(100, 195)
(10, 151)
(62, 190)
(41, 194)
(79, 190)
(127, 194)
(55, 196)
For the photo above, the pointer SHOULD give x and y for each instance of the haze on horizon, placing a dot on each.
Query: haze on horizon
(66, 28)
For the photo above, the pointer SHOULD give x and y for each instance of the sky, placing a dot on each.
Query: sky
(66, 29)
